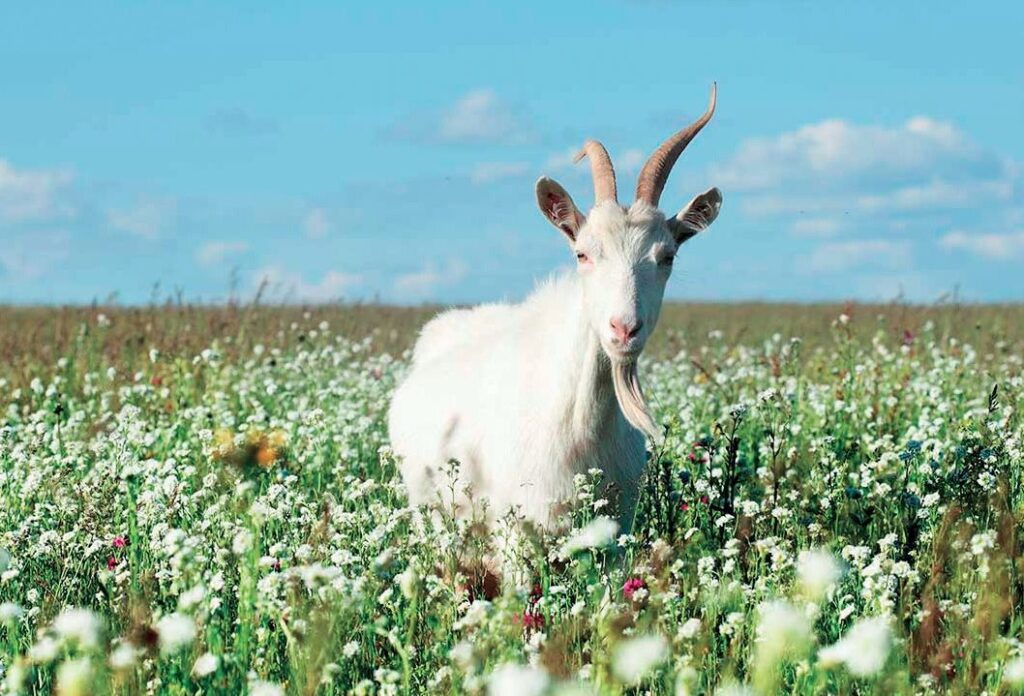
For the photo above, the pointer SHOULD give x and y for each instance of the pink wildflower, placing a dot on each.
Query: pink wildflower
(632, 585)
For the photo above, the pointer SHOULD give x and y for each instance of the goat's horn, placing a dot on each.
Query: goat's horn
(655, 173)
(600, 169)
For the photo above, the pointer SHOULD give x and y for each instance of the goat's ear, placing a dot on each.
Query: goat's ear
(558, 208)
(696, 216)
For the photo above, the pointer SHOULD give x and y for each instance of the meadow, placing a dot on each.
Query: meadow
(203, 500)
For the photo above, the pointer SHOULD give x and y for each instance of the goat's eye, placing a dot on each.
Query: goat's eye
(666, 260)
(581, 257)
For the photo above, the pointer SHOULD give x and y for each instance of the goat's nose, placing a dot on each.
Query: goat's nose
(623, 330)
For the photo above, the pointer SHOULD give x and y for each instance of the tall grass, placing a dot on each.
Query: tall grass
(203, 500)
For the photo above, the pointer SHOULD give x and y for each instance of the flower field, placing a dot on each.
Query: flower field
(215, 509)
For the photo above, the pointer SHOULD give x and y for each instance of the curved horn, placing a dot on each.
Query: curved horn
(655, 173)
(600, 169)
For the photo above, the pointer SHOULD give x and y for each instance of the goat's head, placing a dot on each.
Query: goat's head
(625, 255)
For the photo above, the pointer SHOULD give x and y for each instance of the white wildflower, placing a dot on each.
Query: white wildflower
(74, 678)
(123, 656)
(600, 532)
(9, 611)
(733, 620)
(817, 572)
(901, 569)
(863, 650)
(517, 680)
(189, 599)
(462, 654)
(176, 631)
(242, 542)
(265, 688)
(475, 615)
(1013, 673)
(734, 689)
(205, 665)
(408, 581)
(80, 626)
(687, 681)
(689, 629)
(782, 630)
(44, 651)
(634, 658)
(983, 541)
(15, 678)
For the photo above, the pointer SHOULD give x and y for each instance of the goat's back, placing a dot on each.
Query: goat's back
(454, 328)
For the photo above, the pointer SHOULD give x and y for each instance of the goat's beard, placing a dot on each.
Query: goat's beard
(626, 380)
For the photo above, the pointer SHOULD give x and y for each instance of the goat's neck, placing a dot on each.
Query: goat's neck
(592, 406)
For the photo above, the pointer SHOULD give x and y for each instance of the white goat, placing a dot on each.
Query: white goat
(526, 396)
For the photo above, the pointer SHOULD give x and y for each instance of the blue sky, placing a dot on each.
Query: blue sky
(388, 150)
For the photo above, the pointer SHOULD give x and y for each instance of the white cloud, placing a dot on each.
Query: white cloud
(216, 252)
(630, 161)
(836, 166)
(837, 150)
(833, 257)
(999, 247)
(146, 219)
(926, 197)
(938, 195)
(480, 116)
(287, 285)
(489, 172)
(561, 160)
(316, 223)
(421, 284)
(31, 256)
(29, 195)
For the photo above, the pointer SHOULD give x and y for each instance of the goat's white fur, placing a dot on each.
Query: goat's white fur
(523, 395)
